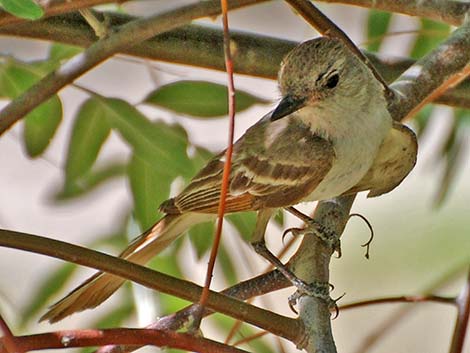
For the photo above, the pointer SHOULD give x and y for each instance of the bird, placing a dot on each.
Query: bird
(330, 135)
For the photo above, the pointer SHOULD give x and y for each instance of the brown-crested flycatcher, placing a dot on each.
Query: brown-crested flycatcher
(330, 135)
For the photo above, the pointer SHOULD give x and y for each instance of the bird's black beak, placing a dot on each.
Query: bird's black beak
(286, 106)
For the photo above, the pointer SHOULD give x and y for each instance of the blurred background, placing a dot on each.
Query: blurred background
(422, 229)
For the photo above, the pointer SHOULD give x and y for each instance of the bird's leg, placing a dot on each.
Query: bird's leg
(328, 236)
(316, 289)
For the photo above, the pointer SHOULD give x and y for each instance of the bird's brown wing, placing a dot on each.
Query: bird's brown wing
(395, 159)
(274, 165)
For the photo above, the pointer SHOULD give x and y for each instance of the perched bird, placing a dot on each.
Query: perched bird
(330, 135)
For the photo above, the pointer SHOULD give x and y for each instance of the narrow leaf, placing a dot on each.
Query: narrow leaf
(54, 282)
(149, 189)
(90, 181)
(430, 35)
(160, 144)
(41, 125)
(199, 98)
(228, 265)
(201, 237)
(244, 222)
(28, 9)
(59, 52)
(90, 131)
(377, 26)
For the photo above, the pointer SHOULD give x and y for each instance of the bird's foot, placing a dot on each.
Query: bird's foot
(329, 237)
(320, 290)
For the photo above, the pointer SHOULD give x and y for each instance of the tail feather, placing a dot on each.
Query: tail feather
(101, 286)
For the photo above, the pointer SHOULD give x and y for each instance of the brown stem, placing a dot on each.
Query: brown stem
(52, 8)
(452, 12)
(267, 320)
(10, 345)
(463, 318)
(127, 336)
(129, 34)
(400, 299)
(200, 46)
(328, 28)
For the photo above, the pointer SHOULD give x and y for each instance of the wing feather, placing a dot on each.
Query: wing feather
(266, 171)
(394, 161)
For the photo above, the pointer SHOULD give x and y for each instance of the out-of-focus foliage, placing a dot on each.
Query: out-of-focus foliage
(161, 156)
(28, 9)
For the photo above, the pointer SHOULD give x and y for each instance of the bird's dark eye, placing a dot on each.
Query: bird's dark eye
(332, 81)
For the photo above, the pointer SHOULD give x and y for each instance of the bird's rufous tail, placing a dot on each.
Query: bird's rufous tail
(100, 286)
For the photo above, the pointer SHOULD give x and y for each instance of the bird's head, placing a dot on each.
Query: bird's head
(318, 71)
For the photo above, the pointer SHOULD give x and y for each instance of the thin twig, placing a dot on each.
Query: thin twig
(328, 28)
(401, 299)
(100, 29)
(265, 319)
(52, 8)
(201, 46)
(8, 340)
(452, 12)
(128, 35)
(253, 287)
(463, 318)
(227, 164)
(127, 336)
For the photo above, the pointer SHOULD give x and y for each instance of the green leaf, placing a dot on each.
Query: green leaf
(59, 52)
(279, 217)
(199, 98)
(90, 131)
(91, 181)
(116, 317)
(54, 282)
(161, 145)
(227, 264)
(377, 26)
(15, 78)
(27, 9)
(430, 35)
(422, 119)
(201, 236)
(40, 126)
(244, 222)
(149, 189)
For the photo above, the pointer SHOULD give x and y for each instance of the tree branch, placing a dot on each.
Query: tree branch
(256, 55)
(127, 35)
(463, 317)
(452, 12)
(52, 8)
(267, 320)
(125, 336)
(311, 261)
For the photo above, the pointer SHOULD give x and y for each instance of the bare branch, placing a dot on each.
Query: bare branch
(463, 318)
(128, 336)
(129, 34)
(452, 12)
(52, 8)
(195, 45)
(312, 259)
(400, 299)
(328, 28)
(441, 66)
(267, 320)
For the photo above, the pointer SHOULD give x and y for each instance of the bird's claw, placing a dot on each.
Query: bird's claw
(318, 290)
(329, 237)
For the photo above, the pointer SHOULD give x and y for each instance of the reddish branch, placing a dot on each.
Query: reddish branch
(125, 336)
(7, 339)
(228, 160)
